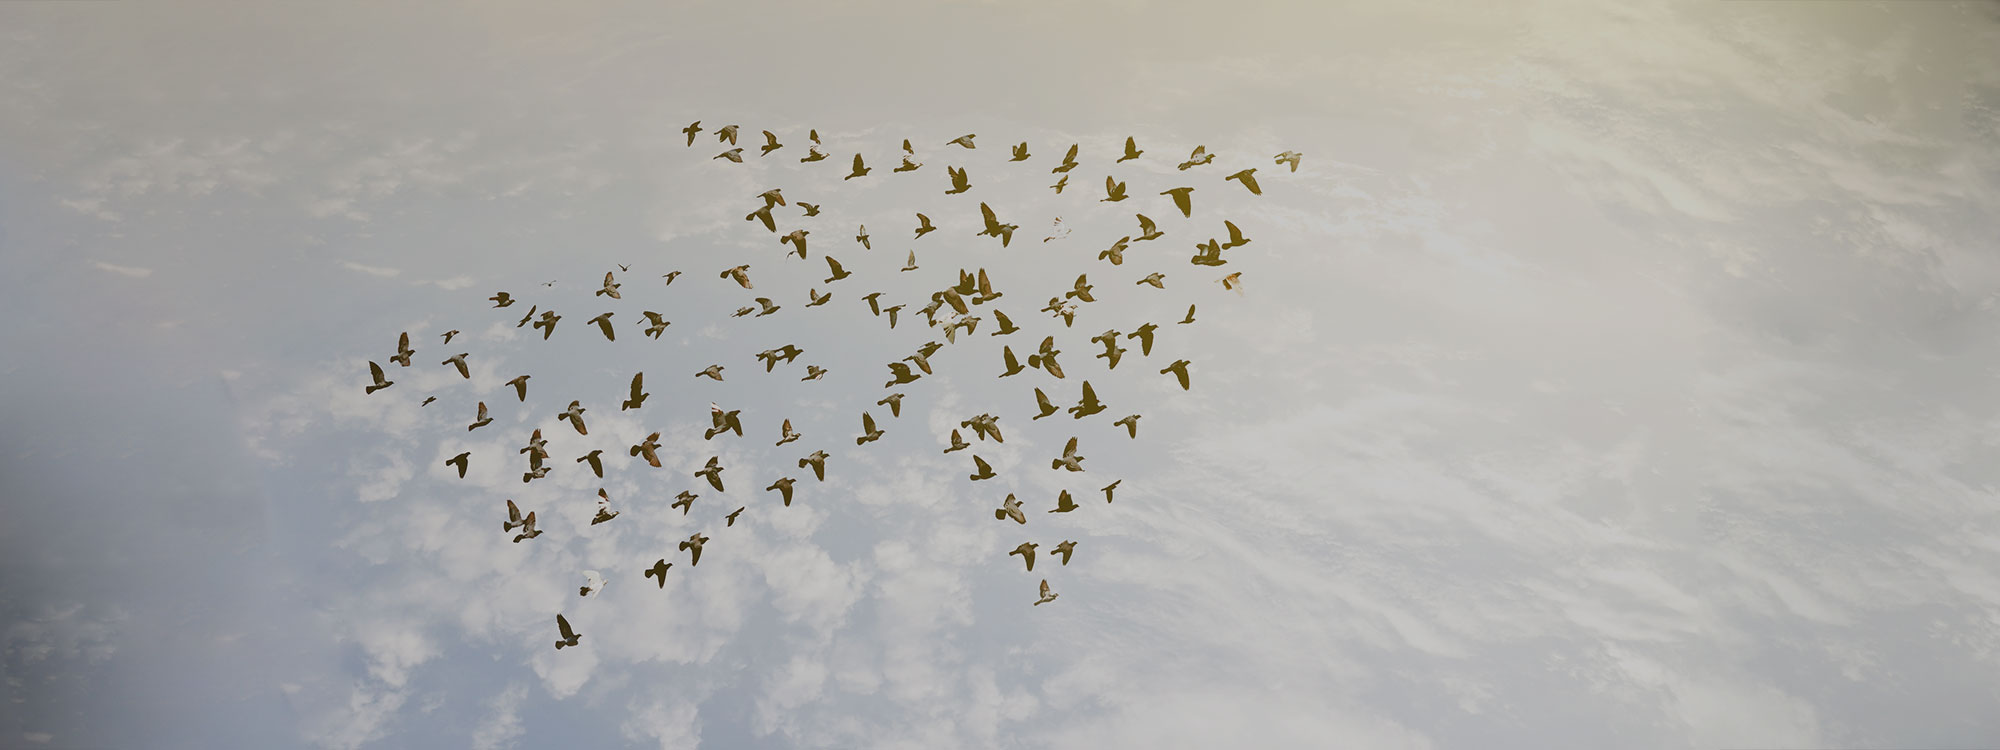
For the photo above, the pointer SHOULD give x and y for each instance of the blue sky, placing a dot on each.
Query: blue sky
(1605, 376)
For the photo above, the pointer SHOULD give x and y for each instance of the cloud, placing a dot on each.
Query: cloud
(130, 271)
(371, 270)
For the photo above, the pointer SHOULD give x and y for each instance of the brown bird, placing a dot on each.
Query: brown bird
(1047, 595)
(659, 571)
(740, 273)
(957, 443)
(375, 371)
(459, 461)
(649, 449)
(1109, 487)
(596, 464)
(1236, 238)
(817, 460)
(860, 169)
(459, 360)
(784, 488)
(1147, 230)
(1130, 423)
(1065, 550)
(482, 421)
(1027, 553)
(730, 520)
(1068, 162)
(770, 144)
(981, 469)
(1190, 316)
(1249, 182)
(1132, 151)
(924, 226)
(1042, 401)
(569, 637)
(1179, 369)
(1114, 191)
(604, 324)
(1088, 405)
(1183, 200)
(787, 434)
(520, 384)
(895, 403)
(1199, 157)
(683, 501)
(1020, 152)
(610, 287)
(797, 238)
(1064, 503)
(403, 350)
(694, 543)
(713, 471)
(1070, 460)
(1010, 508)
(575, 417)
(691, 130)
(713, 371)
(834, 267)
(869, 433)
(502, 299)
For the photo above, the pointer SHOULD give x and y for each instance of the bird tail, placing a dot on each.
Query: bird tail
(1055, 463)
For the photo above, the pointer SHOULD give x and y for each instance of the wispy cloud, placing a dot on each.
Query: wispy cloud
(129, 271)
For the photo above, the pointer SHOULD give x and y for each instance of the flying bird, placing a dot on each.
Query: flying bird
(575, 417)
(1289, 157)
(1233, 282)
(862, 237)
(527, 526)
(1114, 191)
(596, 463)
(957, 443)
(502, 299)
(726, 133)
(895, 403)
(649, 449)
(788, 435)
(1249, 181)
(1147, 230)
(403, 350)
(427, 401)
(610, 288)
(764, 215)
(770, 144)
(691, 130)
(1132, 151)
(459, 461)
(1070, 460)
(1190, 316)
(1199, 157)
(1013, 365)
(604, 324)
(1068, 162)
(694, 543)
(924, 226)
(817, 460)
(1130, 423)
(1060, 184)
(1065, 549)
(959, 183)
(1064, 503)
(1116, 254)
(1179, 369)
(908, 266)
(860, 169)
(670, 276)
(713, 471)
(381, 382)
(740, 273)
(1006, 326)
(659, 571)
(834, 267)
(683, 501)
(1109, 487)
(569, 637)
(1088, 405)
(526, 318)
(593, 582)
(1010, 508)
(1183, 200)
(1047, 595)
(459, 360)
(817, 298)
(730, 520)
(713, 371)
(1020, 152)
(963, 140)
(797, 238)
(655, 325)
(520, 383)
(1236, 238)
(784, 488)
(869, 433)
(734, 154)
(981, 469)
(548, 323)
(1156, 279)
(1027, 553)
(1042, 401)
(514, 518)
(814, 372)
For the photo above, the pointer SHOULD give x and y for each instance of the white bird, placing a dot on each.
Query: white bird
(1047, 595)
(593, 582)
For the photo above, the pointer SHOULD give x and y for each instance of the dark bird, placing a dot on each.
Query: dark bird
(713, 471)
(1042, 402)
(730, 520)
(963, 140)
(638, 394)
(1047, 595)
(528, 530)
(596, 463)
(649, 449)
(900, 373)
(670, 276)
(895, 403)
(1027, 553)
(860, 169)
(1006, 326)
(1013, 365)
(1130, 423)
(1081, 289)
(784, 488)
(1109, 488)
(981, 470)
(659, 571)
(1068, 162)
(683, 501)
(1088, 405)
(723, 421)
(575, 417)
(502, 299)
(570, 637)
(1060, 184)
(713, 371)
(403, 350)
(797, 238)
(924, 226)
(740, 273)
(1183, 200)
(957, 443)
(1156, 279)
(1199, 157)
(773, 197)
(726, 133)
(764, 215)
(1064, 503)
(959, 183)
(1249, 181)
(520, 383)
(604, 324)
(869, 433)
(734, 154)
(1117, 252)
(1132, 151)
(427, 401)
(834, 267)
(811, 209)
(1179, 369)
(548, 323)
(514, 518)
(1236, 238)
(691, 130)
(459, 461)
(814, 372)
(909, 165)
(1147, 230)
(1020, 152)
(786, 434)
(526, 318)
(817, 460)
(862, 237)
(459, 360)
(610, 288)
(381, 382)
(1065, 550)
(909, 266)
(993, 226)
(770, 144)
(1070, 460)
(1114, 191)
(891, 311)
(693, 544)
(604, 511)
(817, 298)
(655, 325)
(1190, 316)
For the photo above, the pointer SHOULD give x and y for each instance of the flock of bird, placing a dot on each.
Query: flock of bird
(949, 310)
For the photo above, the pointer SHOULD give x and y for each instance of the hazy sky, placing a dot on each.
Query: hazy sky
(1608, 375)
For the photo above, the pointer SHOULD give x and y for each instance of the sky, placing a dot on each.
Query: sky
(1606, 375)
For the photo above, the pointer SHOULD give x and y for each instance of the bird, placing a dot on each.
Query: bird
(570, 637)
(909, 165)
(861, 236)
(860, 169)
(514, 518)
(713, 471)
(537, 446)
(1047, 595)
(1080, 290)
(1190, 316)
(1116, 254)
(957, 443)
(984, 426)
(683, 501)
(691, 130)
(526, 318)
(659, 571)
(639, 393)
(381, 382)
(924, 226)
(1013, 365)
(959, 183)
(713, 371)
(984, 286)
(1114, 191)
(575, 417)
(1010, 508)
(1249, 181)
(1087, 405)
(963, 140)
(784, 488)
(734, 154)
(1157, 279)
(1068, 162)
(911, 265)
(655, 325)
(812, 154)
(797, 238)
(895, 403)
(1060, 184)
(1183, 200)
(1027, 553)
(1132, 150)
(1199, 157)
(548, 323)
(593, 582)
(770, 144)
(788, 435)
(1109, 487)
(604, 511)
(596, 463)
(403, 350)
(817, 460)
(694, 543)
(891, 311)
(1289, 157)
(1064, 503)
(1236, 238)
(834, 267)
(1065, 550)
(604, 324)
(1006, 326)
(993, 226)
(1179, 369)
(1144, 334)
(459, 360)
(814, 372)
(740, 273)
(427, 401)
(722, 421)
(649, 449)
(459, 461)
(981, 469)
(1020, 152)
(502, 299)
(726, 133)
(1070, 460)
(520, 383)
(610, 288)
(1045, 358)
(730, 520)
(763, 215)
(670, 276)
(773, 197)
(1042, 401)
(869, 433)
(1147, 230)
(817, 298)
(1233, 282)
(527, 526)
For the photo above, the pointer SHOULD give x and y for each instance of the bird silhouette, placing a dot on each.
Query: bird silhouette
(784, 488)
(459, 461)
(1130, 423)
(713, 471)
(1070, 460)
(596, 463)
(375, 371)
(1179, 369)
(1027, 553)
(1109, 487)
(1064, 503)
(860, 169)
(1068, 162)
(1199, 157)
(1183, 200)
(1248, 179)
(1047, 595)
(571, 637)
(816, 460)
(981, 469)
(693, 547)
(459, 360)
(1065, 549)
(1132, 151)
(869, 433)
(659, 571)
(1010, 508)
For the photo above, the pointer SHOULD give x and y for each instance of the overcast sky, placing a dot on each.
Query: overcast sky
(1607, 375)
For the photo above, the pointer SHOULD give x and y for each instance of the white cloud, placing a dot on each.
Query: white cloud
(371, 270)
(131, 271)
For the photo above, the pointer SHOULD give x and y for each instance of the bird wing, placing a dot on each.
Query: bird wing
(513, 513)
(375, 370)
(981, 464)
(1089, 395)
(563, 623)
(834, 265)
(1045, 588)
(867, 422)
(1042, 400)
(637, 384)
(1069, 451)
(1251, 182)
(857, 163)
